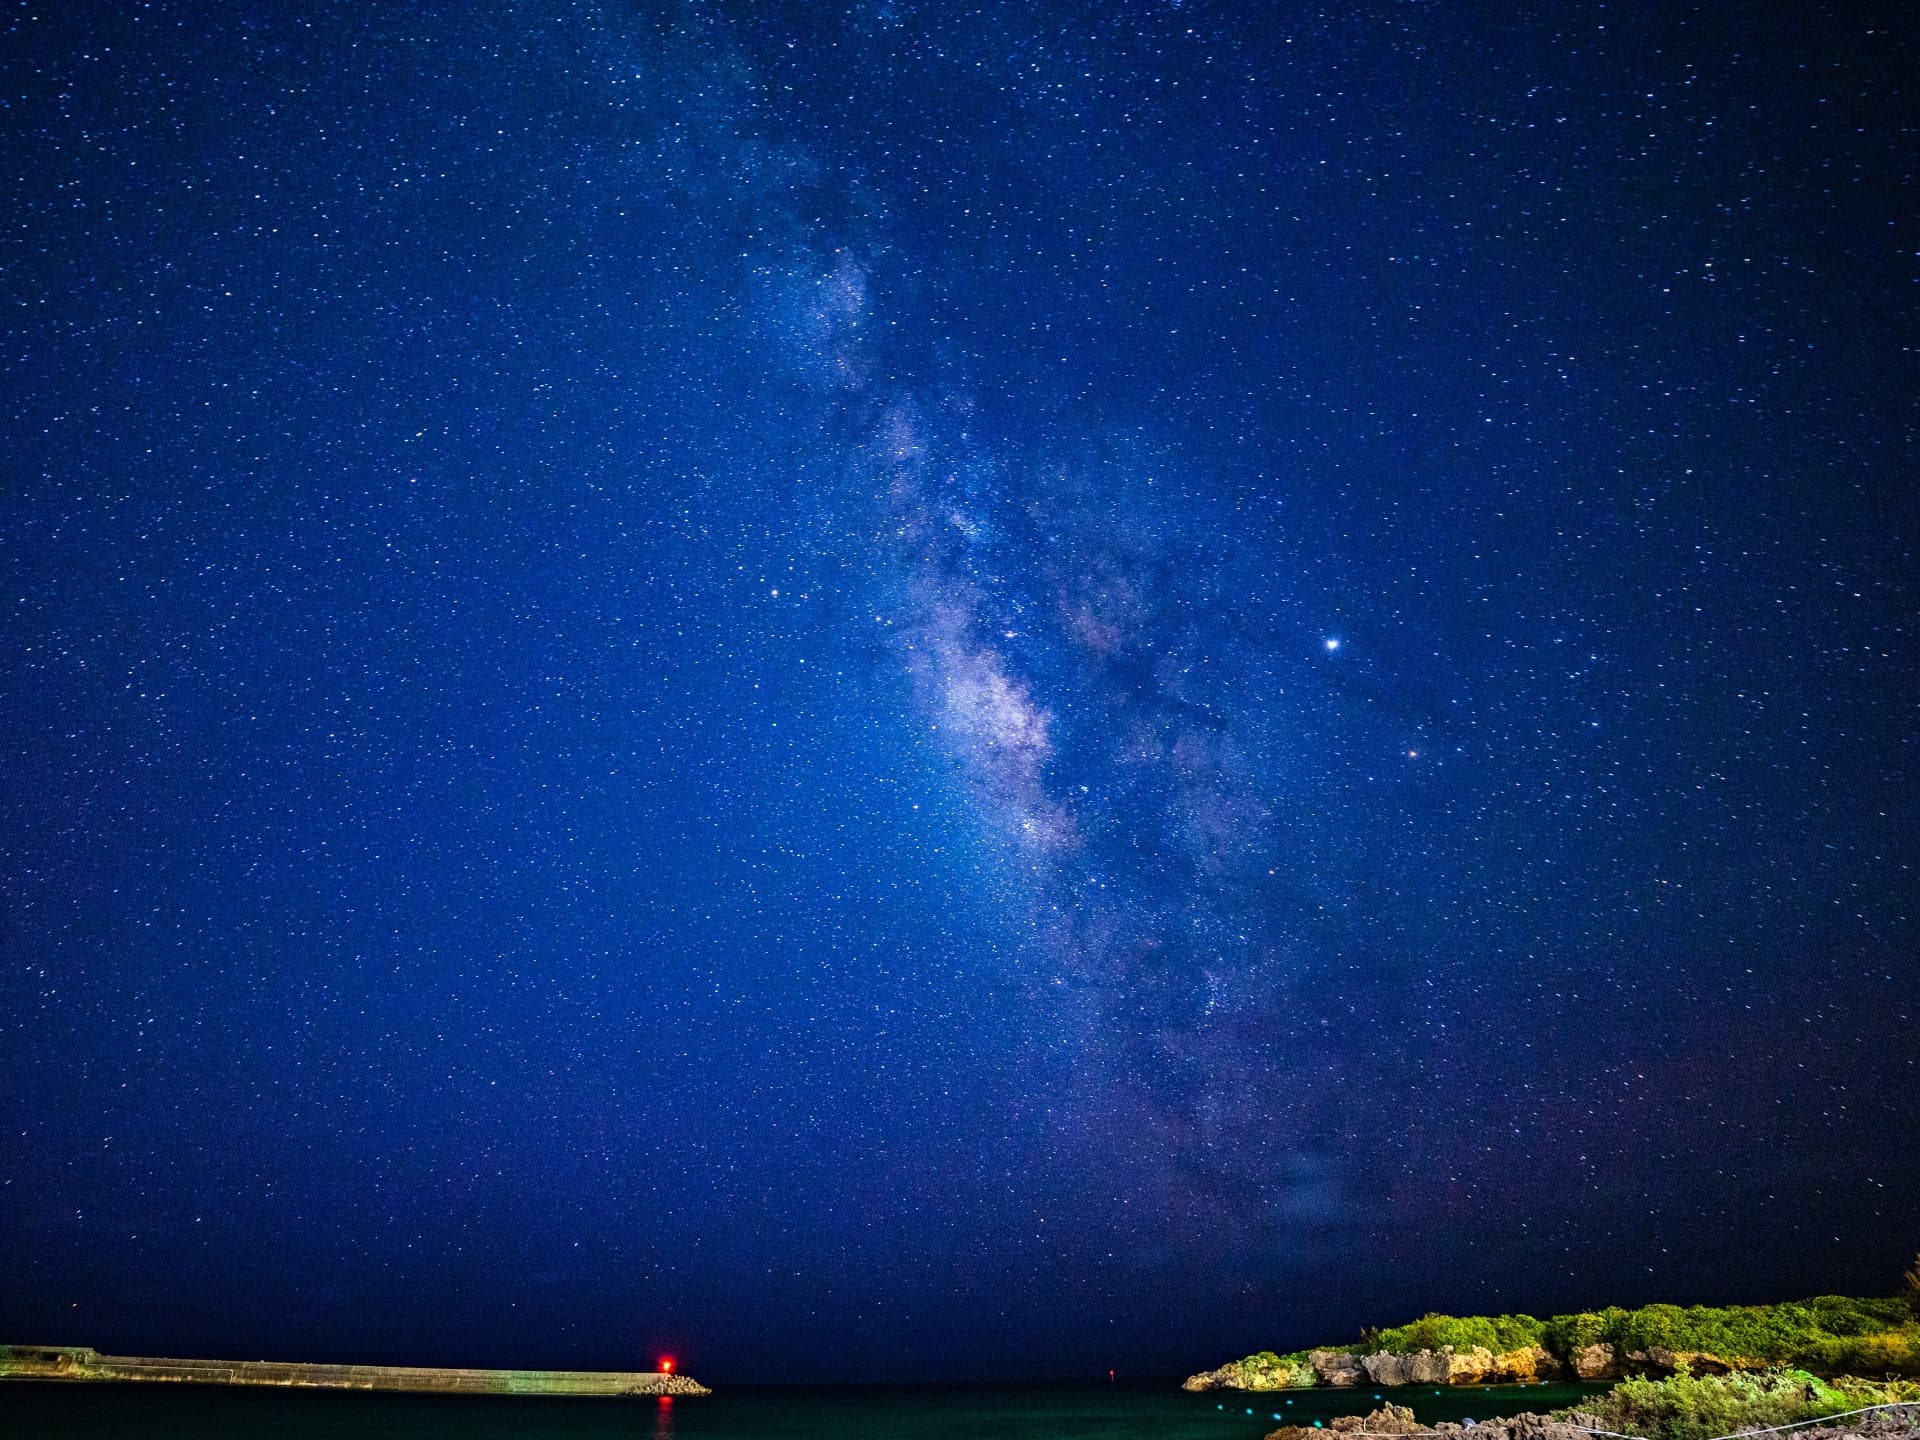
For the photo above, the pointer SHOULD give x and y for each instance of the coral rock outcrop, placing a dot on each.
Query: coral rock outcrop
(1596, 1362)
(1398, 1420)
(1531, 1363)
(1387, 1420)
(1336, 1367)
(1447, 1366)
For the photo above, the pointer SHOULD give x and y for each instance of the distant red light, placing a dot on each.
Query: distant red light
(666, 1364)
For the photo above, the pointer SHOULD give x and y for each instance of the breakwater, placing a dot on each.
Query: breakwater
(79, 1363)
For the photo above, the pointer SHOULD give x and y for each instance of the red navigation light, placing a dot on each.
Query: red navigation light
(666, 1364)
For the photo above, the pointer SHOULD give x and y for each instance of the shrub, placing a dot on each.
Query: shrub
(1565, 1334)
(1831, 1334)
(1700, 1407)
(1667, 1326)
(1844, 1315)
(1498, 1333)
(1268, 1371)
(1890, 1352)
(1806, 1332)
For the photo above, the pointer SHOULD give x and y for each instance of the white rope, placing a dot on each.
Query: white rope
(1622, 1435)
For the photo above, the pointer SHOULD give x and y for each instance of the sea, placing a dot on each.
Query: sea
(30, 1409)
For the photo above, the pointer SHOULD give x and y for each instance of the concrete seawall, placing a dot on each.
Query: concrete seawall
(62, 1362)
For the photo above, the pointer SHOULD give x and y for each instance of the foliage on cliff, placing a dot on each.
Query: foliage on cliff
(1698, 1407)
(1268, 1371)
(1829, 1334)
(1498, 1333)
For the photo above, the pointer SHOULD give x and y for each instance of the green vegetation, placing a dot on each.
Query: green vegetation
(1827, 1335)
(1498, 1333)
(1268, 1371)
(1699, 1407)
(1830, 1333)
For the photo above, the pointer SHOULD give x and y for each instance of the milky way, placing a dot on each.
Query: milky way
(949, 691)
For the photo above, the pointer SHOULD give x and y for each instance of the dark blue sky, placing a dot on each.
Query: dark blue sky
(919, 690)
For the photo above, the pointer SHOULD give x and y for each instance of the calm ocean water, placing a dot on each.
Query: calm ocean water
(31, 1409)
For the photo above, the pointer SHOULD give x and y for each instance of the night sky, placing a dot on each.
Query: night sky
(941, 690)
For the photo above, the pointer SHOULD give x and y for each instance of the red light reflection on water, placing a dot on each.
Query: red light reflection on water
(663, 1419)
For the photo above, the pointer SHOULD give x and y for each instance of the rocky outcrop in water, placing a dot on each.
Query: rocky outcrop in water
(1335, 1367)
(649, 1386)
(1265, 1371)
(1445, 1366)
(1595, 1362)
(1234, 1375)
(1388, 1420)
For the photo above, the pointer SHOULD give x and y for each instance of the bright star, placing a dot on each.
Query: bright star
(1333, 642)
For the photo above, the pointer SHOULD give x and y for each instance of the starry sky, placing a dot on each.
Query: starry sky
(936, 690)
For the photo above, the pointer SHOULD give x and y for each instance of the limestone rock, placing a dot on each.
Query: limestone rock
(1429, 1367)
(1265, 1371)
(1221, 1379)
(1386, 1369)
(1525, 1365)
(1398, 1420)
(1513, 1427)
(1445, 1366)
(1596, 1362)
(1336, 1367)
(1468, 1367)
(1388, 1420)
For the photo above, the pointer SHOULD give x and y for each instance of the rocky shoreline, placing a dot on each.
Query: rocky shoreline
(1830, 1335)
(1448, 1366)
(1398, 1420)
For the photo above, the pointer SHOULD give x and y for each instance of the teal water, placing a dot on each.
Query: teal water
(1041, 1412)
